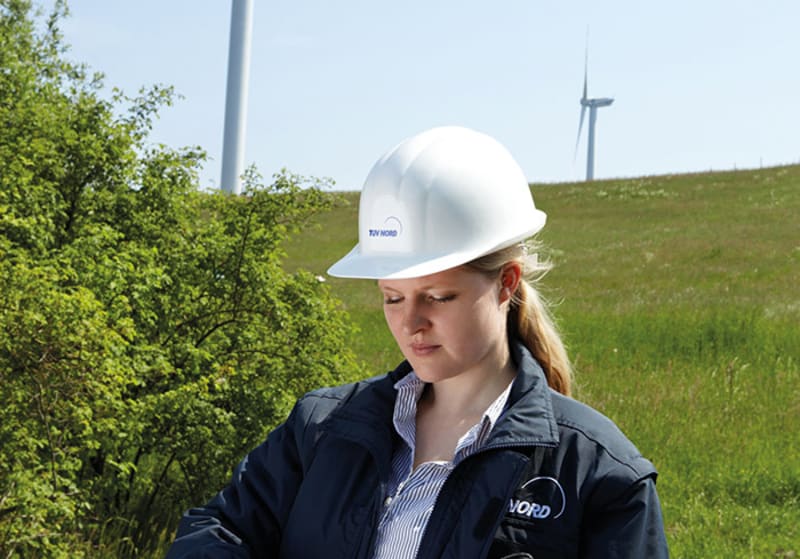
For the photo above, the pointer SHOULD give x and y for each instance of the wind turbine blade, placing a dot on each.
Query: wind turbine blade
(580, 127)
(586, 76)
(586, 67)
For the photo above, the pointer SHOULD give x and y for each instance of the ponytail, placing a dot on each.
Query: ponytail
(529, 317)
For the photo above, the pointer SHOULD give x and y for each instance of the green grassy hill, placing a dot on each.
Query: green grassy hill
(679, 298)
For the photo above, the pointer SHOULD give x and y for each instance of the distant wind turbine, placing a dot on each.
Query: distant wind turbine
(593, 105)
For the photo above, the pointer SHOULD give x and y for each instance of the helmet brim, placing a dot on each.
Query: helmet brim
(358, 265)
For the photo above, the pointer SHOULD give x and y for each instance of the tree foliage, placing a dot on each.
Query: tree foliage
(148, 333)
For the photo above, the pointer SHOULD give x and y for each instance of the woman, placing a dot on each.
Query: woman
(472, 447)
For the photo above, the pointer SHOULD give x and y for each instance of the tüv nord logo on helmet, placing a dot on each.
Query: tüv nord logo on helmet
(392, 227)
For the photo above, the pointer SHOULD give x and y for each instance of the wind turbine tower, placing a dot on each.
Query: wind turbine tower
(592, 105)
(236, 95)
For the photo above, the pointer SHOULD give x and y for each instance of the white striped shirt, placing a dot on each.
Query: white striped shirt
(412, 492)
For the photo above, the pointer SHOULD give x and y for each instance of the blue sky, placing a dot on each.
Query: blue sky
(697, 85)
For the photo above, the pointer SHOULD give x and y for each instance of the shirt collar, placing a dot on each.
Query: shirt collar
(409, 390)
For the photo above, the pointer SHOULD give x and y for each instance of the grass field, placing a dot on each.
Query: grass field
(679, 298)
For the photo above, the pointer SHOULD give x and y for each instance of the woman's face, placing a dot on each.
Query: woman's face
(448, 323)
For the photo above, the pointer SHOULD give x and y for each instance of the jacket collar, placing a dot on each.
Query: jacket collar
(527, 421)
(365, 417)
(529, 418)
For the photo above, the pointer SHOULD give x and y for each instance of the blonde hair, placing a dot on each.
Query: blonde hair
(529, 317)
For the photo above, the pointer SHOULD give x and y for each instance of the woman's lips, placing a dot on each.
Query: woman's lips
(421, 350)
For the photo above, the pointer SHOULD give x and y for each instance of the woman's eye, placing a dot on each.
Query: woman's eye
(431, 298)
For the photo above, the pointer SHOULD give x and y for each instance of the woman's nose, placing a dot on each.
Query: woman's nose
(414, 319)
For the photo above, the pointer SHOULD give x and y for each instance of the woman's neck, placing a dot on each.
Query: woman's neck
(470, 393)
(449, 408)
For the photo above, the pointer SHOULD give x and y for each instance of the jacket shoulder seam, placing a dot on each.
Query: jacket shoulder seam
(623, 462)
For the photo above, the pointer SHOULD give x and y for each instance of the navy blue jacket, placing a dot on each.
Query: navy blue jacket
(556, 479)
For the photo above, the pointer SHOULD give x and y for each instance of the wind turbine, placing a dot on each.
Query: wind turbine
(592, 105)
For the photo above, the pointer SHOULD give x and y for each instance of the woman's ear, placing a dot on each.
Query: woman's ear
(510, 276)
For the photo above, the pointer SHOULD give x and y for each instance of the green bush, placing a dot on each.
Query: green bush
(149, 335)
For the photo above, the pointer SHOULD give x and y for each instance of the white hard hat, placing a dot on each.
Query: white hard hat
(438, 200)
